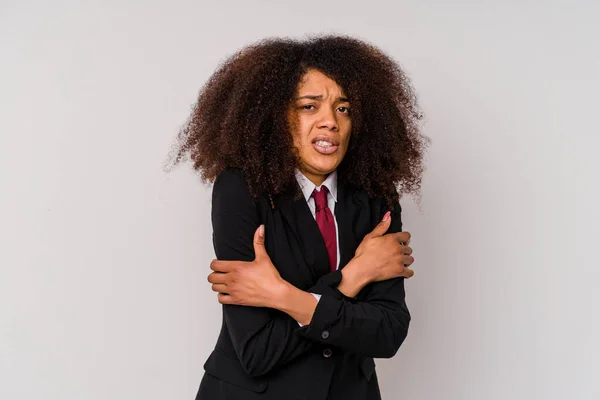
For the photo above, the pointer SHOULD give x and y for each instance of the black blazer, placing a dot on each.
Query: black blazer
(263, 353)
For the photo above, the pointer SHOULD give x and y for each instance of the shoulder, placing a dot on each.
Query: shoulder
(230, 179)
(231, 185)
(231, 191)
(368, 211)
(377, 204)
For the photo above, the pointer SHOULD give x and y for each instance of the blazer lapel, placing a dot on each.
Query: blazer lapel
(300, 220)
(344, 210)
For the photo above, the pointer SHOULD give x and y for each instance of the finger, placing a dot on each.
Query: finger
(408, 273)
(382, 227)
(259, 243)
(402, 237)
(408, 260)
(218, 287)
(225, 298)
(218, 277)
(222, 266)
(407, 250)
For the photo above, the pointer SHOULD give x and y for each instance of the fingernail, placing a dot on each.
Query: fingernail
(386, 216)
(261, 231)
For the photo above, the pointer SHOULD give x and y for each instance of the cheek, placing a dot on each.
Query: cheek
(299, 139)
(301, 135)
(346, 138)
(295, 129)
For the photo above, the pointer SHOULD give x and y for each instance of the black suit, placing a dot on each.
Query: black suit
(263, 353)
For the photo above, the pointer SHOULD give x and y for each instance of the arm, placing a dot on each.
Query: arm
(375, 325)
(300, 307)
(263, 338)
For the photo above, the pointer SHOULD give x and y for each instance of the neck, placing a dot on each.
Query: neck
(315, 178)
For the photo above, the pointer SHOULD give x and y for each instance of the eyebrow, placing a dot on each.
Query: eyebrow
(320, 97)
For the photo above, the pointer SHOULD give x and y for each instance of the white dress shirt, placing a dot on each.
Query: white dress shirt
(307, 189)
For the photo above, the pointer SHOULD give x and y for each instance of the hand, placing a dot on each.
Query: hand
(385, 256)
(256, 283)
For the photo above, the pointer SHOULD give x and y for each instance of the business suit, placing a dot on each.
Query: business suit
(263, 353)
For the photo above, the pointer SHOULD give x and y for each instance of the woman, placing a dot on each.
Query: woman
(307, 143)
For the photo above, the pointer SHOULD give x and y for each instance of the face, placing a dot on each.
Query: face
(320, 117)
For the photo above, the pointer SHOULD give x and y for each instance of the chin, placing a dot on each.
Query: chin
(324, 167)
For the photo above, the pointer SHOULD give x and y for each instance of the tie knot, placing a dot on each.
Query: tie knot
(320, 198)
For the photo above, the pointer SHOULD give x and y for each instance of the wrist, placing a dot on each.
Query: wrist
(280, 295)
(298, 304)
(360, 272)
(354, 278)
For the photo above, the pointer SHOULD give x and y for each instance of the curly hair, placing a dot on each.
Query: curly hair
(239, 120)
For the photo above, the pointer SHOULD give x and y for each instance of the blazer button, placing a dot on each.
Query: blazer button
(325, 334)
(327, 353)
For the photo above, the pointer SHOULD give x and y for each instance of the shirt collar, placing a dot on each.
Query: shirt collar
(308, 187)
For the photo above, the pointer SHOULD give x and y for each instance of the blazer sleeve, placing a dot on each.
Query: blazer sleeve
(262, 338)
(375, 325)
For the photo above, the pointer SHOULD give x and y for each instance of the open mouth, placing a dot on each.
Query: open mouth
(325, 145)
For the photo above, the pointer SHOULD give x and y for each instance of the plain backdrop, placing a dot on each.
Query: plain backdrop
(104, 256)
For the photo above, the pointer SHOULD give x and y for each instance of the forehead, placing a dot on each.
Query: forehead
(316, 81)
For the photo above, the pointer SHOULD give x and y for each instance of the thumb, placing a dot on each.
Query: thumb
(259, 242)
(383, 226)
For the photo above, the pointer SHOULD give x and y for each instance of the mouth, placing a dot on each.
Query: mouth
(325, 145)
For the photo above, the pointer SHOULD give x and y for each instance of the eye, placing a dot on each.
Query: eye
(345, 110)
(307, 107)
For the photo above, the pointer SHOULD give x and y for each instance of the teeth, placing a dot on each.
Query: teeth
(324, 143)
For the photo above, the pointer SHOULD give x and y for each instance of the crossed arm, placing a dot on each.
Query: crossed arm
(261, 310)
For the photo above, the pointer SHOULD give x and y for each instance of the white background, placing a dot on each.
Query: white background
(104, 256)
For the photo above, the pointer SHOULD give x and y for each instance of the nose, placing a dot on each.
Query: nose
(327, 119)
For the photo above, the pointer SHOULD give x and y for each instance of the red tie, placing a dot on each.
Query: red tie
(326, 224)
